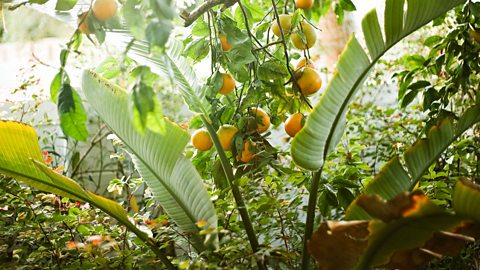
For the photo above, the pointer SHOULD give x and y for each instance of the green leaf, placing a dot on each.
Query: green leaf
(200, 28)
(73, 118)
(134, 18)
(324, 126)
(158, 157)
(272, 70)
(64, 5)
(466, 199)
(55, 86)
(348, 5)
(40, 2)
(393, 179)
(158, 31)
(197, 49)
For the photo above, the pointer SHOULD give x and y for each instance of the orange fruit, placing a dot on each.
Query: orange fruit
(82, 23)
(201, 140)
(308, 80)
(228, 84)
(285, 22)
(310, 37)
(294, 124)
(304, 4)
(246, 155)
(225, 134)
(304, 62)
(224, 41)
(104, 9)
(262, 118)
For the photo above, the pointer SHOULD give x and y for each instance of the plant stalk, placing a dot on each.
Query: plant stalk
(310, 220)
(242, 208)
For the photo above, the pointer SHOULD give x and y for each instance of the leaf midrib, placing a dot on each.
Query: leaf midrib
(179, 202)
(357, 83)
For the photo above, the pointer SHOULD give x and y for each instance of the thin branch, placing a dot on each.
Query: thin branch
(252, 37)
(191, 17)
(268, 45)
(92, 145)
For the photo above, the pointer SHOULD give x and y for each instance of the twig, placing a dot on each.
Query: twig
(41, 62)
(17, 5)
(268, 45)
(4, 24)
(191, 17)
(92, 145)
(252, 37)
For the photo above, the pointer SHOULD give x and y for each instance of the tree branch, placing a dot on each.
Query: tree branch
(190, 17)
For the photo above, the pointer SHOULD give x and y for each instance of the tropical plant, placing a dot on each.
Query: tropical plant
(202, 191)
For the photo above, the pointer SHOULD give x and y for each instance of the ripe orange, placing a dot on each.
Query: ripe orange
(201, 140)
(246, 155)
(285, 22)
(104, 9)
(224, 41)
(304, 4)
(304, 62)
(308, 80)
(225, 134)
(294, 124)
(262, 118)
(310, 37)
(82, 23)
(228, 84)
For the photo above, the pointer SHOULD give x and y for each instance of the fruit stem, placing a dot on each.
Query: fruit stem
(310, 220)
(242, 208)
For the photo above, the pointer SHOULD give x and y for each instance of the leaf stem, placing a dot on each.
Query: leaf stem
(242, 208)
(312, 203)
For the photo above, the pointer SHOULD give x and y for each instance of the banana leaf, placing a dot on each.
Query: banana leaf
(325, 124)
(21, 158)
(158, 157)
(394, 178)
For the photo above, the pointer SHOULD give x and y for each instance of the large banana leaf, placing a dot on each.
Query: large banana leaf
(325, 124)
(21, 158)
(407, 232)
(394, 178)
(157, 155)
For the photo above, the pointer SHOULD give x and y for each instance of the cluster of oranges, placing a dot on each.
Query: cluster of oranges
(102, 10)
(306, 79)
(202, 141)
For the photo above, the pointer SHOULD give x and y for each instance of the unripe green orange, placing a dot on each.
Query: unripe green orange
(285, 22)
(308, 32)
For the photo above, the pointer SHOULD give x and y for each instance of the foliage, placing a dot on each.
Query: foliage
(208, 209)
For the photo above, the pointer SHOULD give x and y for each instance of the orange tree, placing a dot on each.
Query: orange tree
(244, 186)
